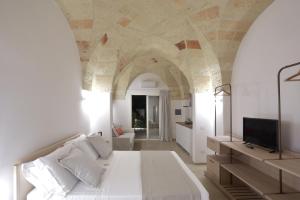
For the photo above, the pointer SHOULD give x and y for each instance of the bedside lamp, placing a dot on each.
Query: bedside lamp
(295, 77)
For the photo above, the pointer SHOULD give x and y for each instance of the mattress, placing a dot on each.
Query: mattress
(122, 180)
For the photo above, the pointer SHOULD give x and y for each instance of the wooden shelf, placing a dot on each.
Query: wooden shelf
(291, 166)
(255, 179)
(224, 138)
(236, 191)
(221, 158)
(258, 153)
(266, 186)
(214, 144)
(240, 192)
(291, 196)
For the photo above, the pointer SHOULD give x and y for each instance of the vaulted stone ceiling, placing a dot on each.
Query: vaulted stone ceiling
(191, 44)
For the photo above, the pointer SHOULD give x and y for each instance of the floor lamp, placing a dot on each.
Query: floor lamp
(218, 90)
(295, 77)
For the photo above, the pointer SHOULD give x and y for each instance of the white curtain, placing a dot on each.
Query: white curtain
(164, 116)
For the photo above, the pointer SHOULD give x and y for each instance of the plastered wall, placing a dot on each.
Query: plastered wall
(271, 43)
(40, 82)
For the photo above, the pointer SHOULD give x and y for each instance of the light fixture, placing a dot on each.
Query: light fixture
(295, 77)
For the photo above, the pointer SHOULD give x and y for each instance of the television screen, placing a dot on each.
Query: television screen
(262, 132)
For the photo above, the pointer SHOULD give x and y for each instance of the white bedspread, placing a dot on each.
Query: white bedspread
(122, 180)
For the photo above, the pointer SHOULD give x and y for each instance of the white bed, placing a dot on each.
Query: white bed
(122, 180)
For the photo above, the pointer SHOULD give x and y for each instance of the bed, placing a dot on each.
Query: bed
(133, 175)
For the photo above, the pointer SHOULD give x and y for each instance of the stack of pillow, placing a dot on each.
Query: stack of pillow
(58, 172)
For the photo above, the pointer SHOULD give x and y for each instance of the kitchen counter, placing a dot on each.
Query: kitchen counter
(185, 125)
(184, 133)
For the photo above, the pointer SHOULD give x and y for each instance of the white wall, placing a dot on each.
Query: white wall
(122, 112)
(272, 42)
(203, 125)
(98, 107)
(223, 126)
(40, 81)
(135, 85)
(221, 110)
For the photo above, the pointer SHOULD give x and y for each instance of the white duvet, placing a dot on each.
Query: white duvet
(122, 180)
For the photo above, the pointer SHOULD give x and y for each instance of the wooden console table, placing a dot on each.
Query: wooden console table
(259, 185)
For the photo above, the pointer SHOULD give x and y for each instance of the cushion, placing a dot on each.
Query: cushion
(64, 180)
(83, 167)
(77, 139)
(103, 147)
(31, 173)
(120, 131)
(87, 148)
(115, 133)
(37, 194)
(40, 179)
(95, 134)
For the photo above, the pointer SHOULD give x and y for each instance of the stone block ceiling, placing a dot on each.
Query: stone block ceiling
(190, 44)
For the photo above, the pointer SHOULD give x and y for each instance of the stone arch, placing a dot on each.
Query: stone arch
(169, 73)
(199, 66)
(218, 26)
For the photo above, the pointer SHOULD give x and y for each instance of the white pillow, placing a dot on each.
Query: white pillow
(83, 167)
(31, 173)
(94, 134)
(77, 139)
(37, 194)
(86, 147)
(103, 147)
(65, 181)
(40, 179)
(115, 133)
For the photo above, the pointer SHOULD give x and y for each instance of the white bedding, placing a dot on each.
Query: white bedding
(122, 180)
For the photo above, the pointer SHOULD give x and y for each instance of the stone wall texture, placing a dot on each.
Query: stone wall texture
(190, 44)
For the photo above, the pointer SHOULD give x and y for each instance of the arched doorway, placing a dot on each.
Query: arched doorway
(139, 109)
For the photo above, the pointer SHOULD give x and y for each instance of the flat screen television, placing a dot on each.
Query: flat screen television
(262, 132)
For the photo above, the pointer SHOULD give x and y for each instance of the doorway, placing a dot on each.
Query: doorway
(145, 116)
(139, 115)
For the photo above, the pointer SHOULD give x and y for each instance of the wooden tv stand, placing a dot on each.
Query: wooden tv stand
(242, 172)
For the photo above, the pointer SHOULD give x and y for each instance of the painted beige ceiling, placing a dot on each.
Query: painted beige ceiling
(190, 44)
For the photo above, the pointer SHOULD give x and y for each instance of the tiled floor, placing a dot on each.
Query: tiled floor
(214, 192)
(141, 134)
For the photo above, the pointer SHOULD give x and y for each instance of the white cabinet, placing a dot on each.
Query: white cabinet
(184, 136)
